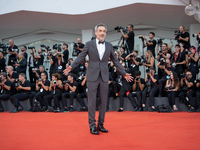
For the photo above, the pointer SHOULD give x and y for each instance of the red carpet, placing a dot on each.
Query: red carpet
(127, 130)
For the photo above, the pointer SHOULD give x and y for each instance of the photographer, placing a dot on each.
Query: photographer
(66, 52)
(122, 55)
(198, 37)
(151, 44)
(32, 66)
(130, 38)
(23, 89)
(138, 87)
(172, 87)
(23, 49)
(166, 67)
(82, 95)
(178, 61)
(13, 51)
(133, 62)
(5, 87)
(78, 47)
(70, 87)
(59, 65)
(125, 87)
(40, 71)
(151, 89)
(149, 60)
(56, 89)
(162, 55)
(183, 36)
(2, 62)
(187, 90)
(21, 64)
(192, 58)
(42, 86)
(39, 58)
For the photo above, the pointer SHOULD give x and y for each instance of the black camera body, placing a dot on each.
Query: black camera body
(188, 52)
(17, 82)
(31, 47)
(137, 78)
(162, 62)
(4, 47)
(168, 88)
(183, 75)
(124, 29)
(57, 46)
(54, 81)
(160, 41)
(66, 81)
(141, 37)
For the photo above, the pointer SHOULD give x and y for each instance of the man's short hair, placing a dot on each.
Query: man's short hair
(25, 46)
(100, 25)
(44, 73)
(23, 75)
(42, 66)
(131, 26)
(71, 75)
(165, 44)
(152, 33)
(70, 59)
(137, 73)
(65, 44)
(4, 74)
(177, 45)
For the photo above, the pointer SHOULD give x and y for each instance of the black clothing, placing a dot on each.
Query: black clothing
(152, 47)
(22, 67)
(184, 35)
(41, 89)
(193, 67)
(25, 84)
(133, 67)
(130, 41)
(4, 90)
(12, 58)
(2, 64)
(25, 55)
(66, 55)
(39, 61)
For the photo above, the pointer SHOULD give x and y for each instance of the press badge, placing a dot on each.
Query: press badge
(41, 90)
(54, 92)
(132, 65)
(59, 67)
(1, 91)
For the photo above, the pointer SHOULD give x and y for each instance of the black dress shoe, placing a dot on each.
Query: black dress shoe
(191, 110)
(102, 129)
(151, 109)
(20, 108)
(144, 108)
(94, 131)
(15, 110)
(120, 110)
(136, 108)
(71, 109)
(139, 109)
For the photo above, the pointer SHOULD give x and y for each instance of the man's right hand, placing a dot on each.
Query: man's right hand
(66, 71)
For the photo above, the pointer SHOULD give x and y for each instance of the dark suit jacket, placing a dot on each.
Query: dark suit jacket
(95, 65)
(22, 67)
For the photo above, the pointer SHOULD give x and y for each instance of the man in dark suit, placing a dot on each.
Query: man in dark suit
(99, 51)
(21, 64)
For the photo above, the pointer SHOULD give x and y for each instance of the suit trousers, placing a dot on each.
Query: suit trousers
(132, 96)
(18, 97)
(190, 95)
(102, 87)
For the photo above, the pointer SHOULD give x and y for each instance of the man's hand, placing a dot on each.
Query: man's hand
(128, 77)
(66, 71)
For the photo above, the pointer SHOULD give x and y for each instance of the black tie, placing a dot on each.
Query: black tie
(101, 42)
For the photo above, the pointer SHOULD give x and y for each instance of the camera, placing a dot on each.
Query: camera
(143, 60)
(177, 32)
(31, 47)
(39, 79)
(0, 79)
(4, 47)
(183, 75)
(168, 77)
(66, 81)
(188, 52)
(35, 69)
(57, 46)
(197, 81)
(124, 29)
(17, 82)
(195, 35)
(162, 62)
(137, 78)
(81, 75)
(168, 88)
(115, 47)
(54, 81)
(141, 37)
(46, 48)
(159, 41)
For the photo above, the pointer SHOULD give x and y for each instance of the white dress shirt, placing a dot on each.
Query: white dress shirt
(101, 48)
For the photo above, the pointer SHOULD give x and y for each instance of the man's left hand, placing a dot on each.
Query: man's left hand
(128, 77)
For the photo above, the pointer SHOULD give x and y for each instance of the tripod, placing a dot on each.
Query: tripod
(122, 43)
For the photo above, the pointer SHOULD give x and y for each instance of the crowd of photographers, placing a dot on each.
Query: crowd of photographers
(176, 75)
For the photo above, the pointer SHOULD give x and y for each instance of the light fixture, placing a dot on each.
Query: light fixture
(197, 14)
(190, 9)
